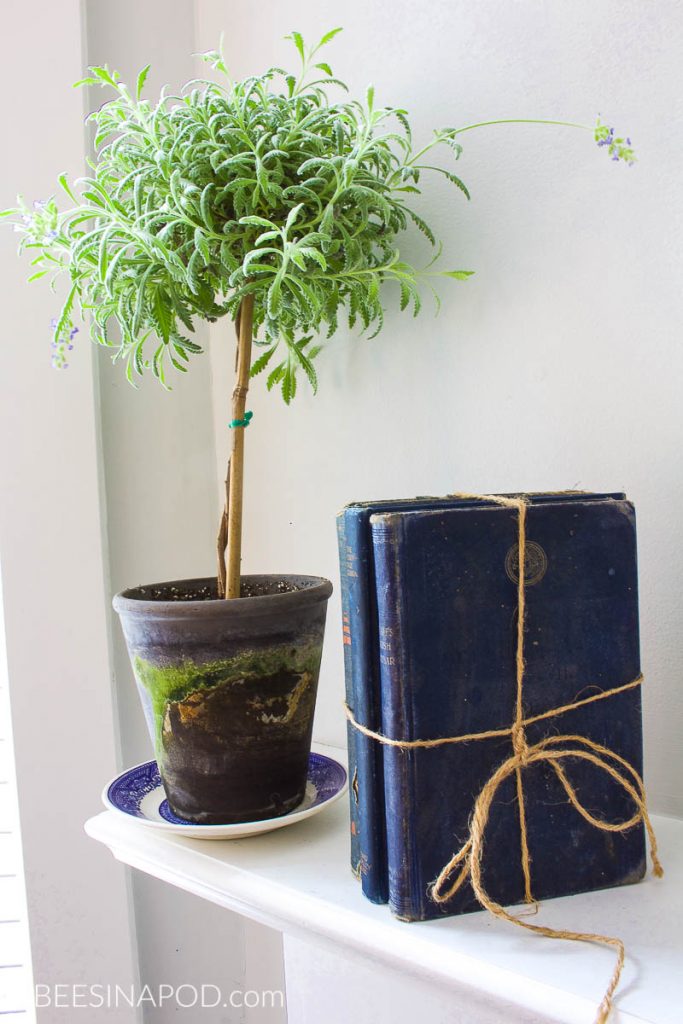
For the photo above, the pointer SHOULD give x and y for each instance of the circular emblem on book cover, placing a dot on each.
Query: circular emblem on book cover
(535, 563)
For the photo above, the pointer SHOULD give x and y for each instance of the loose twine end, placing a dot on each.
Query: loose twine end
(466, 863)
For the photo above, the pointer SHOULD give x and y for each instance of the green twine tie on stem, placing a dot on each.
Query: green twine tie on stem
(241, 423)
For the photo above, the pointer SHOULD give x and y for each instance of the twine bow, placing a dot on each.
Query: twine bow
(552, 751)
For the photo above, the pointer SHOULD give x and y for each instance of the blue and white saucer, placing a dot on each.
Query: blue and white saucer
(139, 795)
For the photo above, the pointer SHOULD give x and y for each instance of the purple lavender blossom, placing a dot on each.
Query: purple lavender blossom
(617, 147)
(61, 344)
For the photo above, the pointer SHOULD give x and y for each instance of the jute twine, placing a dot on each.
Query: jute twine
(551, 751)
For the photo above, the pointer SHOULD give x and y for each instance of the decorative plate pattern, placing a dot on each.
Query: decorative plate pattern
(139, 795)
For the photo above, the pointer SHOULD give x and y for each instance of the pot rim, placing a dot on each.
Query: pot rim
(315, 589)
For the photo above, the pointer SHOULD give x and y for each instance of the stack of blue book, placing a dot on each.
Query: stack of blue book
(429, 605)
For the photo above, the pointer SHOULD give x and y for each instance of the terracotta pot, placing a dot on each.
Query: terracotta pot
(228, 689)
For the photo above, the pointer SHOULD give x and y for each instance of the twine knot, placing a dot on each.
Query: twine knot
(519, 744)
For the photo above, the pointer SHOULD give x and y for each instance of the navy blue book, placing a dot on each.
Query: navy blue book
(447, 597)
(361, 670)
(348, 571)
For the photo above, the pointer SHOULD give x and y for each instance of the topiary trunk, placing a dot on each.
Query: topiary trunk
(230, 531)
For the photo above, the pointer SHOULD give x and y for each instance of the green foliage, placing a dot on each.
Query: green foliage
(263, 186)
(618, 148)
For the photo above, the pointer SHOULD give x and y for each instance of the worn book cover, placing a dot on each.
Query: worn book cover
(361, 670)
(347, 570)
(446, 584)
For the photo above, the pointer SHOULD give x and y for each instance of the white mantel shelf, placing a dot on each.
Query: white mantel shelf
(298, 880)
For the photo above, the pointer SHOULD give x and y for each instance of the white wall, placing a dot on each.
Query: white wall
(16, 976)
(56, 614)
(560, 362)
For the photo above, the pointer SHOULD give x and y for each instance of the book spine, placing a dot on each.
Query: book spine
(396, 719)
(365, 691)
(345, 570)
